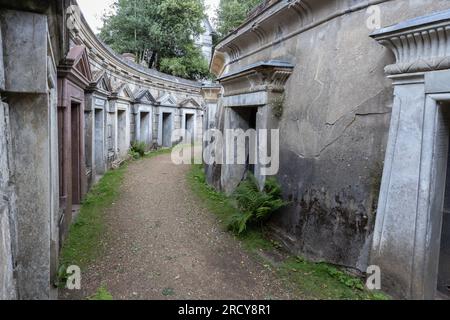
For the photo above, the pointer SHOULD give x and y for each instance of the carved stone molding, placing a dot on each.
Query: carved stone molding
(276, 21)
(268, 76)
(303, 10)
(419, 45)
(211, 93)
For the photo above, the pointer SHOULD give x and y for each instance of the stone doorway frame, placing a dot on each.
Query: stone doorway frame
(74, 77)
(406, 241)
(260, 85)
(192, 116)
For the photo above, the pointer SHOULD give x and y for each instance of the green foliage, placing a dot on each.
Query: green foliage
(324, 281)
(84, 239)
(306, 279)
(232, 13)
(344, 278)
(62, 277)
(163, 29)
(101, 294)
(189, 64)
(138, 149)
(255, 206)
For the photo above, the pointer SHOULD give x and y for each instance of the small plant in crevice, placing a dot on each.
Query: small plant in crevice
(255, 206)
(61, 277)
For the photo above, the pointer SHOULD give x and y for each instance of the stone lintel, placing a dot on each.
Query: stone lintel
(419, 45)
(263, 76)
(253, 99)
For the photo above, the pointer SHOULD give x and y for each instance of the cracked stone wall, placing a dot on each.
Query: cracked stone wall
(334, 128)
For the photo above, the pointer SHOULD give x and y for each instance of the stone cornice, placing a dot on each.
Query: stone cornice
(419, 45)
(277, 22)
(262, 76)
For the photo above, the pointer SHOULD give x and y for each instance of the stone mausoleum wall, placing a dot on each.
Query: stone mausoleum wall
(316, 61)
(69, 109)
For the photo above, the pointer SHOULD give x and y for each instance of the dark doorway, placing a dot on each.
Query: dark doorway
(62, 162)
(247, 119)
(145, 127)
(189, 126)
(444, 255)
(167, 130)
(76, 153)
(121, 133)
(99, 142)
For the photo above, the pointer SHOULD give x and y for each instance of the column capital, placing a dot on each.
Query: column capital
(419, 45)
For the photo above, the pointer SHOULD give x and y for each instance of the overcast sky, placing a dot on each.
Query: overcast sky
(93, 10)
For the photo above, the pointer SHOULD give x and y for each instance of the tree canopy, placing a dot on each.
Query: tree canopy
(159, 32)
(231, 13)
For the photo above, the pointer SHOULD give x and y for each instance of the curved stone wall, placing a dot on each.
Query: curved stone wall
(70, 108)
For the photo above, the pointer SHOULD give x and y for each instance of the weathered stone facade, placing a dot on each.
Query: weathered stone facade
(362, 118)
(336, 104)
(69, 110)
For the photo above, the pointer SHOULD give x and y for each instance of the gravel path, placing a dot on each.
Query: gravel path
(162, 243)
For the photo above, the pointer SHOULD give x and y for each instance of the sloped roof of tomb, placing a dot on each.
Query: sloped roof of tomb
(144, 96)
(76, 66)
(190, 103)
(167, 99)
(100, 81)
(122, 90)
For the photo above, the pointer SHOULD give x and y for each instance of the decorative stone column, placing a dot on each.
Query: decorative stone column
(259, 85)
(407, 234)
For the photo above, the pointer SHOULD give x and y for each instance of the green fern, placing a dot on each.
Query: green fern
(138, 149)
(255, 206)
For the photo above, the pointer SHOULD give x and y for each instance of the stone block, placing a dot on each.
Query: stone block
(25, 51)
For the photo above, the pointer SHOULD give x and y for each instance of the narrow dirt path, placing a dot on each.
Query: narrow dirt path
(163, 244)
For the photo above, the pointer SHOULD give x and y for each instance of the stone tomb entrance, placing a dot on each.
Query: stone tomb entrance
(122, 143)
(144, 128)
(99, 142)
(189, 125)
(74, 76)
(411, 236)
(167, 127)
(244, 118)
(76, 150)
(443, 285)
(248, 99)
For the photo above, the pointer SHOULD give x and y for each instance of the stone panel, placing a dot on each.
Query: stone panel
(25, 51)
